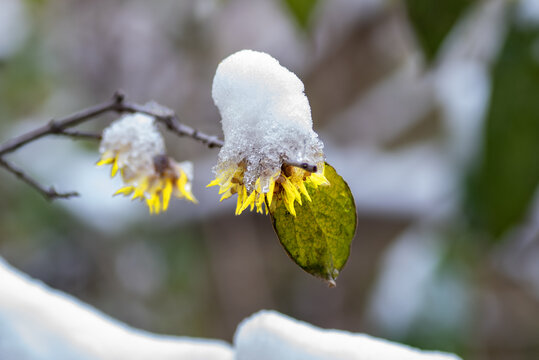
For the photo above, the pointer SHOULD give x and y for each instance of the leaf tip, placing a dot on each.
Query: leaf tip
(331, 278)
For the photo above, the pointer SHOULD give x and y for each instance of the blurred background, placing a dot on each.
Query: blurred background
(429, 109)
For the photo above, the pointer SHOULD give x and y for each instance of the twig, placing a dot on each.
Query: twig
(170, 120)
(183, 130)
(49, 194)
(79, 134)
(118, 104)
(57, 126)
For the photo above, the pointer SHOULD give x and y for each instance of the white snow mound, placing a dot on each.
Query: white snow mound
(265, 114)
(40, 323)
(269, 335)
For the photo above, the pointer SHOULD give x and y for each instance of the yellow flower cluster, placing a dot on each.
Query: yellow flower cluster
(156, 187)
(287, 185)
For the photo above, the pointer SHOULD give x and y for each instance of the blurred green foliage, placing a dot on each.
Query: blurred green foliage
(24, 83)
(433, 20)
(36, 2)
(301, 10)
(502, 186)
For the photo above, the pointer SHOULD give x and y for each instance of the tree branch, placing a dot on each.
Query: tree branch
(168, 118)
(79, 134)
(57, 126)
(117, 104)
(49, 194)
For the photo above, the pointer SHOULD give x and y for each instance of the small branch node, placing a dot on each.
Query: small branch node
(52, 194)
(118, 97)
(54, 127)
(214, 142)
(169, 121)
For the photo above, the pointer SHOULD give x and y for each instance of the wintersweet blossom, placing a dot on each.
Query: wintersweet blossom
(135, 148)
(267, 124)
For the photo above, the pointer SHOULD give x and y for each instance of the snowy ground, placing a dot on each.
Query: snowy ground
(40, 323)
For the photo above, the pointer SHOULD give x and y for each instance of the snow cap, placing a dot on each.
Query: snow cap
(265, 114)
(136, 140)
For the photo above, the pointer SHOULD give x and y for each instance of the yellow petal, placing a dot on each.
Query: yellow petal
(149, 202)
(167, 192)
(291, 191)
(303, 190)
(240, 200)
(289, 203)
(226, 195)
(258, 195)
(248, 201)
(183, 177)
(259, 203)
(140, 189)
(318, 179)
(156, 203)
(105, 161)
(189, 196)
(181, 182)
(216, 181)
(269, 194)
(225, 187)
(181, 186)
(126, 190)
(114, 169)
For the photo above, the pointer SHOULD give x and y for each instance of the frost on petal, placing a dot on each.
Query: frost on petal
(134, 140)
(135, 148)
(266, 117)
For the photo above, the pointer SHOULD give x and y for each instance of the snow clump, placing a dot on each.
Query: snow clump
(266, 117)
(135, 140)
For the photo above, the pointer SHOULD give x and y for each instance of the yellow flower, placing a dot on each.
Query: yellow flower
(157, 187)
(267, 125)
(287, 185)
(135, 149)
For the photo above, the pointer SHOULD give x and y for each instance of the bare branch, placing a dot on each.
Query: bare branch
(79, 134)
(58, 126)
(183, 130)
(49, 194)
(170, 120)
(118, 104)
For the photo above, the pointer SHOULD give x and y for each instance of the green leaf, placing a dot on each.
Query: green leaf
(301, 10)
(502, 184)
(318, 238)
(432, 20)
